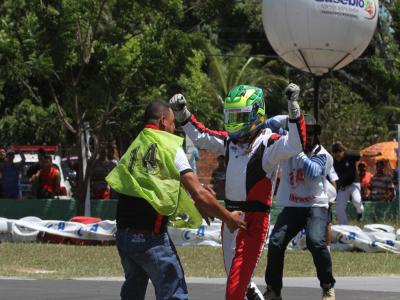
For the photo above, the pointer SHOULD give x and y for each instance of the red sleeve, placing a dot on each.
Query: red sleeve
(301, 127)
(203, 129)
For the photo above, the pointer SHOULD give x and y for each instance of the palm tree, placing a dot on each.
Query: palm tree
(240, 67)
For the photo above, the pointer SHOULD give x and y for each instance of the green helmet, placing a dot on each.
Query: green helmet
(244, 111)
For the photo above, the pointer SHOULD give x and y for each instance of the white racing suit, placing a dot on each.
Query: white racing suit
(250, 178)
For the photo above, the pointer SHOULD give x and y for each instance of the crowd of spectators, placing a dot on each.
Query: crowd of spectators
(41, 178)
(356, 181)
(378, 185)
(105, 161)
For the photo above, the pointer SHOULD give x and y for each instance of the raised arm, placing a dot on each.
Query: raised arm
(283, 147)
(202, 137)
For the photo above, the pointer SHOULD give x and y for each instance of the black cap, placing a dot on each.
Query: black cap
(41, 152)
(338, 147)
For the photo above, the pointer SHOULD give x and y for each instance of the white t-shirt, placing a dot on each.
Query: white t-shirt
(332, 175)
(181, 162)
(297, 188)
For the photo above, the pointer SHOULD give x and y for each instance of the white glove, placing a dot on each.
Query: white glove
(292, 92)
(179, 106)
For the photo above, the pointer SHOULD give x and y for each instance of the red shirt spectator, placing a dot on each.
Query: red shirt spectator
(365, 180)
(48, 179)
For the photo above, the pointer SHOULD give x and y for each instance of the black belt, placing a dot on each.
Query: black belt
(247, 206)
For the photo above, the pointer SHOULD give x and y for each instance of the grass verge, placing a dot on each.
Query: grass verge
(53, 261)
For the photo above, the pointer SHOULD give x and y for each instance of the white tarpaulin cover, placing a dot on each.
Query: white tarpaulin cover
(372, 238)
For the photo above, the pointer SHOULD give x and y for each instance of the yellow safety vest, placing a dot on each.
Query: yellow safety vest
(147, 171)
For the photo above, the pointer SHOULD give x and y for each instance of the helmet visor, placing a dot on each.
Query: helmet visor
(235, 116)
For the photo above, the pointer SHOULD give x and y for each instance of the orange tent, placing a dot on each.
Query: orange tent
(382, 151)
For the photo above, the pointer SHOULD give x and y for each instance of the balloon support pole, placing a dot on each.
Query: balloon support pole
(317, 81)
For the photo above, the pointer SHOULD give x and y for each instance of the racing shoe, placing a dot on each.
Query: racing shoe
(270, 294)
(328, 292)
(253, 293)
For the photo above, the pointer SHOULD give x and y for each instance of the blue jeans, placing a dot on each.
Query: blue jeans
(150, 256)
(290, 221)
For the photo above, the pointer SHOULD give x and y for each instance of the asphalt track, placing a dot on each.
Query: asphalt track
(347, 288)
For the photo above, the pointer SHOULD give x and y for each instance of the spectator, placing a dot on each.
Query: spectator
(382, 188)
(2, 156)
(365, 180)
(112, 163)
(2, 160)
(112, 156)
(99, 188)
(218, 178)
(278, 124)
(348, 183)
(33, 171)
(303, 193)
(196, 156)
(72, 173)
(396, 181)
(192, 153)
(11, 176)
(47, 179)
(34, 168)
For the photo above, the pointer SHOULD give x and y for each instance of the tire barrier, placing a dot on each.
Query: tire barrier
(21, 233)
(372, 238)
(33, 229)
(54, 209)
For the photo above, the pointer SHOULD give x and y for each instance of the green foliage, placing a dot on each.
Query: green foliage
(240, 67)
(346, 117)
(102, 61)
(31, 124)
(93, 57)
(197, 87)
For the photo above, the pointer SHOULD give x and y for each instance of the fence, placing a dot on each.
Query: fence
(54, 209)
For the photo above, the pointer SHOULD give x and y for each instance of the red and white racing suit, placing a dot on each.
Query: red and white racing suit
(250, 177)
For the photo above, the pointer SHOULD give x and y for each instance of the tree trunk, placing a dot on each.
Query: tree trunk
(80, 198)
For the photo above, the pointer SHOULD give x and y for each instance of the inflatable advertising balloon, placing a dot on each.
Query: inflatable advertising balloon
(318, 36)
